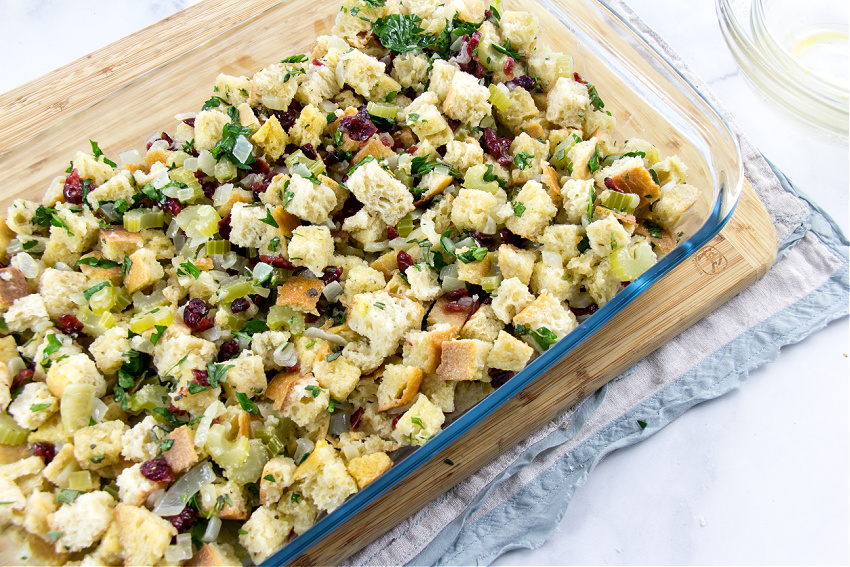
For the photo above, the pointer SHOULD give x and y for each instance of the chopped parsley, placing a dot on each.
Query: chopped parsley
(593, 162)
(401, 33)
(417, 421)
(97, 153)
(254, 326)
(269, 478)
(544, 337)
(191, 269)
(269, 220)
(217, 372)
(642, 424)
(230, 134)
(365, 160)
(653, 229)
(293, 72)
(94, 289)
(247, 404)
(54, 535)
(196, 388)
(102, 263)
(595, 101)
(379, 305)
(314, 390)
(475, 254)
(519, 208)
(333, 355)
(160, 329)
(295, 59)
(294, 497)
(47, 216)
(67, 496)
(214, 102)
(506, 49)
(449, 462)
(189, 147)
(523, 160)
(125, 268)
(38, 407)
(166, 445)
(97, 459)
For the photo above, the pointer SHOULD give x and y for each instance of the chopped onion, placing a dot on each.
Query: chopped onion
(180, 551)
(339, 44)
(100, 409)
(191, 164)
(173, 229)
(160, 180)
(449, 271)
(451, 284)
(222, 194)
(154, 498)
(285, 355)
(212, 334)
(128, 157)
(350, 452)
(456, 44)
(401, 242)
(206, 162)
(317, 333)
(141, 344)
(340, 422)
(340, 74)
(16, 365)
(229, 260)
(62, 266)
(214, 410)
(376, 246)
(581, 300)
(185, 116)
(490, 226)
(261, 272)
(463, 55)
(304, 446)
(27, 265)
(332, 291)
(213, 527)
(187, 485)
(467, 242)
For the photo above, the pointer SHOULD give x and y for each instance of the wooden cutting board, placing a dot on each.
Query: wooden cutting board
(737, 257)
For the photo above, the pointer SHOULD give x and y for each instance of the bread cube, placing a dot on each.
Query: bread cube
(675, 202)
(509, 353)
(311, 247)
(607, 235)
(440, 392)
(482, 325)
(602, 285)
(399, 385)
(411, 70)
(521, 109)
(368, 468)
(144, 271)
(265, 532)
(510, 298)
(362, 279)
(319, 84)
(442, 73)
(420, 423)
(109, 349)
(116, 243)
(521, 28)
(76, 369)
(209, 125)
(362, 72)
(529, 156)
(274, 86)
(335, 373)
(557, 280)
(353, 21)
(324, 478)
(181, 455)
(309, 126)
(83, 521)
(247, 376)
(264, 344)
(463, 359)
(467, 100)
(225, 499)
(567, 102)
(473, 208)
(547, 312)
(39, 505)
(422, 348)
(13, 286)
(543, 65)
(277, 476)
(174, 345)
(134, 488)
(424, 284)
(380, 192)
(90, 168)
(99, 446)
(143, 535)
(214, 555)
(439, 316)
(539, 211)
(271, 138)
(33, 406)
(119, 186)
(517, 263)
(383, 319)
(467, 394)
(248, 227)
(235, 90)
(304, 400)
(27, 313)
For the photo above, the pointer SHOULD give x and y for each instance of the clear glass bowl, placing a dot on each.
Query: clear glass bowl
(649, 97)
(798, 57)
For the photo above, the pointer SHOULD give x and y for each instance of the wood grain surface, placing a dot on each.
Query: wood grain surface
(121, 94)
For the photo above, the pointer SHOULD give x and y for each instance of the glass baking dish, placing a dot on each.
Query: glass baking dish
(649, 97)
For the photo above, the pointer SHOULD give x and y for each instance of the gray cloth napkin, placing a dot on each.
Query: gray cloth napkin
(518, 500)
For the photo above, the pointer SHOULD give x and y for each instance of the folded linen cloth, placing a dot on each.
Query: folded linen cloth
(518, 499)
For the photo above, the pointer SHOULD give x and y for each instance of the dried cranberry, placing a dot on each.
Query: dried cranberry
(183, 521)
(609, 183)
(577, 78)
(331, 158)
(331, 274)
(455, 307)
(73, 190)
(20, 379)
(157, 470)
(499, 148)
(456, 294)
(507, 237)
(194, 315)
(309, 151)
(44, 450)
(258, 299)
(172, 206)
(508, 67)
(488, 14)
(294, 368)
(224, 227)
(209, 188)
(286, 118)
(472, 43)
(189, 122)
(166, 137)
(200, 377)
(481, 238)
(239, 305)
(175, 410)
(395, 419)
(412, 149)
(589, 310)
(392, 233)
(499, 377)
(355, 419)
(277, 262)
(404, 260)
(453, 124)
(473, 67)
(311, 318)
(523, 81)
(318, 63)
(258, 187)
(349, 208)
(487, 300)
(70, 325)
(229, 349)
(260, 167)
(359, 127)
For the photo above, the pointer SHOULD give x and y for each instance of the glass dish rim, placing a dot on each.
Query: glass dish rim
(713, 224)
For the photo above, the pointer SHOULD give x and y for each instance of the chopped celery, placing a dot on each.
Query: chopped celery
(218, 247)
(82, 481)
(10, 432)
(224, 452)
(382, 110)
(297, 157)
(95, 325)
(625, 202)
(499, 96)
(250, 470)
(148, 397)
(491, 59)
(559, 157)
(225, 170)
(275, 437)
(564, 66)
(76, 406)
(122, 299)
(474, 179)
(160, 316)
(199, 221)
(177, 158)
(234, 290)
(280, 315)
(627, 264)
(139, 219)
(491, 283)
(102, 300)
(405, 225)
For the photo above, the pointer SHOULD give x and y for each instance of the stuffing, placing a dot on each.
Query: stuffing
(33, 406)
(143, 535)
(264, 533)
(380, 192)
(271, 138)
(144, 271)
(399, 385)
(521, 29)
(511, 297)
(466, 100)
(311, 247)
(27, 313)
(274, 86)
(310, 202)
(83, 521)
(529, 156)
(539, 210)
(324, 478)
(546, 312)
(335, 373)
(368, 468)
(76, 369)
(383, 319)
(137, 443)
(472, 209)
(181, 454)
(464, 359)
(419, 423)
(109, 349)
(674, 203)
(567, 102)
(517, 263)
(208, 128)
(99, 446)
(134, 488)
(278, 474)
(482, 325)
(509, 353)
(607, 235)
(249, 226)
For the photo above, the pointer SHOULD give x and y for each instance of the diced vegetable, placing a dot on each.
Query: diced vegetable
(234, 290)
(284, 315)
(491, 283)
(215, 247)
(499, 96)
(140, 219)
(76, 406)
(627, 264)
(160, 316)
(405, 225)
(188, 485)
(474, 179)
(82, 481)
(10, 432)
(95, 325)
(625, 202)
(148, 397)
(224, 452)
(382, 110)
(199, 221)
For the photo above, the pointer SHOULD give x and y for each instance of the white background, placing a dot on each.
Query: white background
(759, 476)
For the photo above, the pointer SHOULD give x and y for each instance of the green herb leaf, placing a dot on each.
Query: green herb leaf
(523, 160)
(47, 216)
(506, 49)
(365, 160)
(53, 345)
(544, 337)
(269, 220)
(97, 459)
(593, 162)
(224, 147)
(254, 326)
(654, 230)
(314, 390)
(332, 405)
(294, 497)
(275, 242)
(196, 388)
(38, 407)
(160, 329)
(333, 355)
(166, 445)
(54, 535)
(475, 254)
(97, 263)
(125, 268)
(595, 101)
(295, 59)
(191, 269)
(583, 245)
(401, 33)
(519, 208)
(417, 421)
(96, 152)
(247, 404)
(214, 102)
(448, 461)
(67, 496)
(169, 417)
(293, 72)
(217, 372)
(94, 289)
(269, 478)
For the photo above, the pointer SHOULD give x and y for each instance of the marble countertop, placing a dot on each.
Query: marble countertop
(759, 476)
